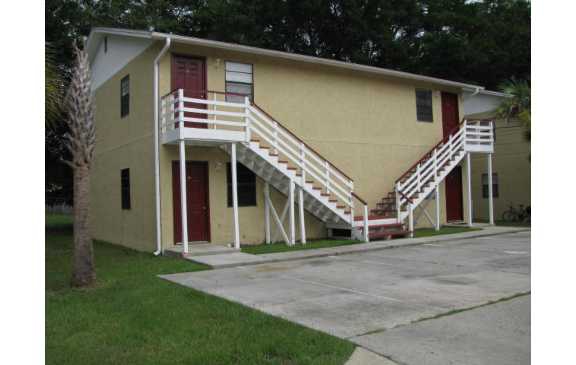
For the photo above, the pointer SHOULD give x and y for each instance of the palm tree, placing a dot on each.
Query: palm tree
(516, 107)
(80, 140)
(52, 86)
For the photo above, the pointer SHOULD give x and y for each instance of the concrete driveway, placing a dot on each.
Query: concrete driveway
(457, 302)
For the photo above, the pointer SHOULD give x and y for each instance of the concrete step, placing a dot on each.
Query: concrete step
(199, 249)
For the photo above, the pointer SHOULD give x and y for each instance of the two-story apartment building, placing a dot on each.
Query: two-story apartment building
(205, 141)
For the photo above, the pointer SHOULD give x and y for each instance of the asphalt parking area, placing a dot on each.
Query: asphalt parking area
(460, 302)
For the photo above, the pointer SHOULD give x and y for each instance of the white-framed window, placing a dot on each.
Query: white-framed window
(239, 81)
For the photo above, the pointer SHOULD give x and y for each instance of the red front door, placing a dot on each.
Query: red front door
(197, 201)
(450, 121)
(189, 73)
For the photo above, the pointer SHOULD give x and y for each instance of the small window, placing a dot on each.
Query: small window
(105, 44)
(424, 105)
(239, 81)
(125, 188)
(125, 96)
(246, 186)
(495, 192)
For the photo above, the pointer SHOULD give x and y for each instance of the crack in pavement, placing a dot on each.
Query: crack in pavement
(440, 315)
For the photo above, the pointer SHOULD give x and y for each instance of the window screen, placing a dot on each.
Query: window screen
(125, 96)
(495, 192)
(424, 105)
(125, 188)
(246, 186)
(239, 81)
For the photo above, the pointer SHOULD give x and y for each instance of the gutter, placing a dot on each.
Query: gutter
(157, 147)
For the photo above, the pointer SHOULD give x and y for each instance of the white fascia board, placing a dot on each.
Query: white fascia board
(281, 55)
(482, 102)
(313, 60)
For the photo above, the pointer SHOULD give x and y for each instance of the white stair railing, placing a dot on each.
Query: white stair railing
(413, 187)
(235, 112)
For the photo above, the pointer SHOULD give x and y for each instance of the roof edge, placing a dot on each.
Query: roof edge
(279, 54)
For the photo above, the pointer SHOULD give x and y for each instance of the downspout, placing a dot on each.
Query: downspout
(157, 147)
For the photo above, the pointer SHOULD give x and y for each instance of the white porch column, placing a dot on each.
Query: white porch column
(183, 196)
(267, 211)
(437, 199)
(490, 192)
(411, 219)
(235, 196)
(469, 189)
(291, 208)
(301, 215)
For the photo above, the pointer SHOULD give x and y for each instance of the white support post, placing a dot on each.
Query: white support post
(411, 220)
(398, 201)
(469, 189)
(490, 192)
(437, 199)
(301, 215)
(366, 228)
(275, 134)
(435, 157)
(292, 223)
(235, 197)
(303, 163)
(327, 167)
(418, 180)
(278, 221)
(267, 210)
(183, 196)
(181, 112)
(214, 109)
(247, 117)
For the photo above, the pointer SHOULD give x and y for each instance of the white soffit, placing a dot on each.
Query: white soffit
(120, 51)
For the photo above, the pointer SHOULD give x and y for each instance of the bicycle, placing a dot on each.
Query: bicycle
(520, 214)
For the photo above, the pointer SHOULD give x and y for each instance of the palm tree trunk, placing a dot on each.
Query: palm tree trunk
(83, 262)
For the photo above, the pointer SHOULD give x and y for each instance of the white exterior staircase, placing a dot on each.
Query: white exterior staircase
(264, 146)
(287, 163)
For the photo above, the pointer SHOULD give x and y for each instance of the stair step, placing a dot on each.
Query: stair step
(372, 217)
(387, 235)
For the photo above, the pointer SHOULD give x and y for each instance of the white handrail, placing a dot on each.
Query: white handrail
(425, 173)
(178, 110)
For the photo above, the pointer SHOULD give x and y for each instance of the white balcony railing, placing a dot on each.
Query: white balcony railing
(234, 118)
(412, 187)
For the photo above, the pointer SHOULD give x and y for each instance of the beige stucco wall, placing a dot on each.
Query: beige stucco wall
(365, 125)
(511, 163)
(125, 143)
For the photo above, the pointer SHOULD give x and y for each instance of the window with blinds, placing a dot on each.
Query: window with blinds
(424, 105)
(239, 82)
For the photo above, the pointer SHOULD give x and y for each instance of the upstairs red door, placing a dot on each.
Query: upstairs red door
(197, 201)
(450, 121)
(189, 73)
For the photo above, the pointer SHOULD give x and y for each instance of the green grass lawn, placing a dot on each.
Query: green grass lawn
(283, 247)
(504, 223)
(133, 317)
(427, 232)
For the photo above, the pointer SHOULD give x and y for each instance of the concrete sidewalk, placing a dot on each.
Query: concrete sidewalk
(235, 259)
(465, 301)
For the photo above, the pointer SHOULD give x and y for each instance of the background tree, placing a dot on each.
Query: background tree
(483, 42)
(80, 140)
(517, 107)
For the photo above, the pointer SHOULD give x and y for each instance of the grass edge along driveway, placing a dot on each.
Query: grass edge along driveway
(133, 317)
